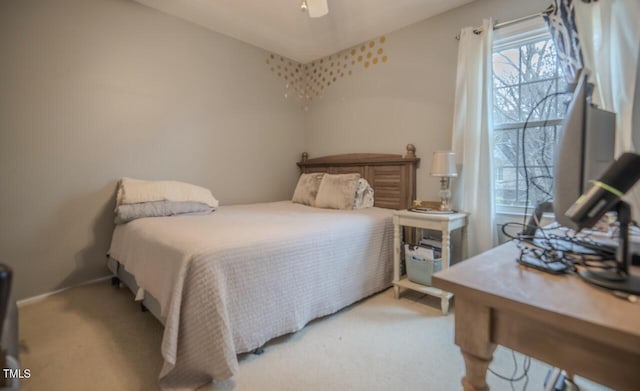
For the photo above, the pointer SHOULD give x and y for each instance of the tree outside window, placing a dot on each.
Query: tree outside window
(524, 73)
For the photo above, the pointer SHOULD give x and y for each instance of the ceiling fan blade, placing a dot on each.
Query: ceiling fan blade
(317, 8)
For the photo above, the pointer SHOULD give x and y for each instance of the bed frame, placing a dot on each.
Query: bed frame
(393, 177)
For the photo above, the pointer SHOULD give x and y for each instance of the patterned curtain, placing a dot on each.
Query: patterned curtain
(561, 19)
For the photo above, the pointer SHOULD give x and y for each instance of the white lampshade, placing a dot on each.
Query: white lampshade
(443, 164)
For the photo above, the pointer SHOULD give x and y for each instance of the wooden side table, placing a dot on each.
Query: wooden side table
(438, 222)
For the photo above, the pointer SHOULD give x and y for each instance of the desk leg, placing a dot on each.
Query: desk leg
(476, 373)
(473, 326)
(396, 258)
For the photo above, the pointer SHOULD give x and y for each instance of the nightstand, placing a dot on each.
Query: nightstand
(444, 223)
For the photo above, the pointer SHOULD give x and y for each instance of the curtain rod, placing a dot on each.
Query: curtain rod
(513, 21)
(509, 22)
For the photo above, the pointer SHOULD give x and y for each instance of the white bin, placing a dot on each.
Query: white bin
(420, 264)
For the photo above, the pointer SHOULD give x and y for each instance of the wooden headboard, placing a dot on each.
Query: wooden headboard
(393, 177)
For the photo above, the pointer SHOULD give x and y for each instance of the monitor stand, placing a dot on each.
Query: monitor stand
(619, 279)
(536, 217)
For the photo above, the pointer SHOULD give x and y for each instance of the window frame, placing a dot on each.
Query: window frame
(514, 37)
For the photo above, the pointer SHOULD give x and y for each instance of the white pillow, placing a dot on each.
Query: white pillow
(133, 191)
(307, 188)
(337, 191)
(364, 195)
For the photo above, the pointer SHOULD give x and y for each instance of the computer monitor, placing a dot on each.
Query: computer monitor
(585, 150)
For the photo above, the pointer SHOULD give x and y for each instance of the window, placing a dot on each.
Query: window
(525, 71)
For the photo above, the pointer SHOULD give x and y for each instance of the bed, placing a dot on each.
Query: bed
(226, 283)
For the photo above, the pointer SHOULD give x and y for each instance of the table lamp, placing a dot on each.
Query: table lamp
(443, 165)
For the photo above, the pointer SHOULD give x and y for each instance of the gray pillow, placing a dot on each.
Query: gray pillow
(337, 191)
(307, 189)
(128, 212)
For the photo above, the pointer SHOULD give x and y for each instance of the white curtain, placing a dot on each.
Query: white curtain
(609, 33)
(473, 136)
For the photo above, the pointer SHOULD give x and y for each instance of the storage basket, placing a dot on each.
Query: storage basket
(419, 266)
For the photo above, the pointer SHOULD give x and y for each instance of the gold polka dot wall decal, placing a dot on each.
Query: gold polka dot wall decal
(310, 79)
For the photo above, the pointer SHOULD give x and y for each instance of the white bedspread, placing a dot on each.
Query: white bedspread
(230, 281)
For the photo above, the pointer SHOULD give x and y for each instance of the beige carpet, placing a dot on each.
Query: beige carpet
(95, 338)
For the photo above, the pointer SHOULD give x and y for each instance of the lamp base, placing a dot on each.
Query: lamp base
(445, 194)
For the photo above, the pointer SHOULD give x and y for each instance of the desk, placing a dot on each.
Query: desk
(445, 223)
(560, 320)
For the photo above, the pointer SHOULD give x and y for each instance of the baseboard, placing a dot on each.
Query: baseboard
(35, 299)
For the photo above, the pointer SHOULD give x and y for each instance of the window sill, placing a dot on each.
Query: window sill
(510, 213)
(515, 213)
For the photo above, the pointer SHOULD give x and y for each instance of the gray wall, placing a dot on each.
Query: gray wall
(93, 90)
(410, 98)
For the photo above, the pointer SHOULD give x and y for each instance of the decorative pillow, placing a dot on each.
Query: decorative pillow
(337, 191)
(307, 189)
(129, 212)
(364, 195)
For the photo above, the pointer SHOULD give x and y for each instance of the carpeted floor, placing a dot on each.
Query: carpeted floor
(95, 338)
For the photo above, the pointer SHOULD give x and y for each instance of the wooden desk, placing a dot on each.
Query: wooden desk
(560, 320)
